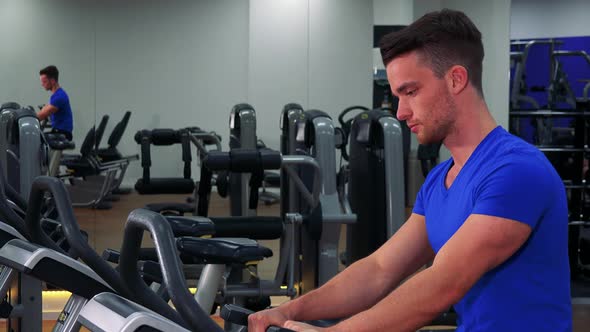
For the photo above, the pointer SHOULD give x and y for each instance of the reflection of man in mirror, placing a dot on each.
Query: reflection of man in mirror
(58, 109)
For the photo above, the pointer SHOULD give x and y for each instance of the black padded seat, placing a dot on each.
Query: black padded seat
(223, 250)
(181, 226)
(80, 167)
(171, 209)
(59, 142)
(109, 154)
(191, 226)
(165, 186)
(62, 145)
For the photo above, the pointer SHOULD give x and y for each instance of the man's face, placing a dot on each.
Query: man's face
(46, 82)
(424, 100)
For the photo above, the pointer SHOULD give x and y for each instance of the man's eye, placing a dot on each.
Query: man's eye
(411, 93)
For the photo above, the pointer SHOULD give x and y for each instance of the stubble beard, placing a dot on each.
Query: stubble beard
(441, 122)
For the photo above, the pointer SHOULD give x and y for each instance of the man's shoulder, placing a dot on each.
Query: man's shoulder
(59, 99)
(61, 93)
(512, 151)
(516, 163)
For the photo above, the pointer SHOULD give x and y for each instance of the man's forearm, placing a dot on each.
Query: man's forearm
(355, 289)
(411, 306)
(46, 111)
(42, 115)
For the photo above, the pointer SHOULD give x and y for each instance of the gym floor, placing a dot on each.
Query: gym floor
(105, 229)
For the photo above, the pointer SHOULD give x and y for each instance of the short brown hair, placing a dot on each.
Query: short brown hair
(50, 72)
(443, 39)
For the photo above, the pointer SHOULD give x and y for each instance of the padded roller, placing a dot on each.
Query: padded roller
(165, 186)
(161, 136)
(243, 160)
(165, 137)
(257, 228)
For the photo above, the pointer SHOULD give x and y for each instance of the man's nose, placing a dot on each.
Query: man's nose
(403, 110)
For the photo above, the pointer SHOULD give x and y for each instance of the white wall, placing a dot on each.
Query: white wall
(340, 54)
(547, 18)
(278, 62)
(173, 64)
(390, 12)
(422, 7)
(393, 12)
(315, 53)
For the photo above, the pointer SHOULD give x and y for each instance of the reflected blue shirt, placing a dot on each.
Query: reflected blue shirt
(63, 118)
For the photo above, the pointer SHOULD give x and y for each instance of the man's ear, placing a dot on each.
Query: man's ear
(457, 79)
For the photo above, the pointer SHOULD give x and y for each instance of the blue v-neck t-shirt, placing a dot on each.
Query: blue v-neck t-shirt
(508, 178)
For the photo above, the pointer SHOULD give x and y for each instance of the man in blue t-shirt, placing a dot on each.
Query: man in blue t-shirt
(492, 220)
(58, 109)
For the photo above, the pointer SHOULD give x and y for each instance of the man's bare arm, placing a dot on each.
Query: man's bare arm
(365, 282)
(482, 243)
(46, 111)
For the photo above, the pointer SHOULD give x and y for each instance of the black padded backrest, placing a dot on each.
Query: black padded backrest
(234, 118)
(100, 130)
(88, 143)
(310, 115)
(118, 131)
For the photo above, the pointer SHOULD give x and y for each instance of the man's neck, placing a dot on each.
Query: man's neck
(55, 88)
(474, 123)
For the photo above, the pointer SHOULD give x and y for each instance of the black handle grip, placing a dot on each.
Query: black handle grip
(235, 314)
(141, 220)
(239, 315)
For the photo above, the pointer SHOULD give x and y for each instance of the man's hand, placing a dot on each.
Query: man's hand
(260, 321)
